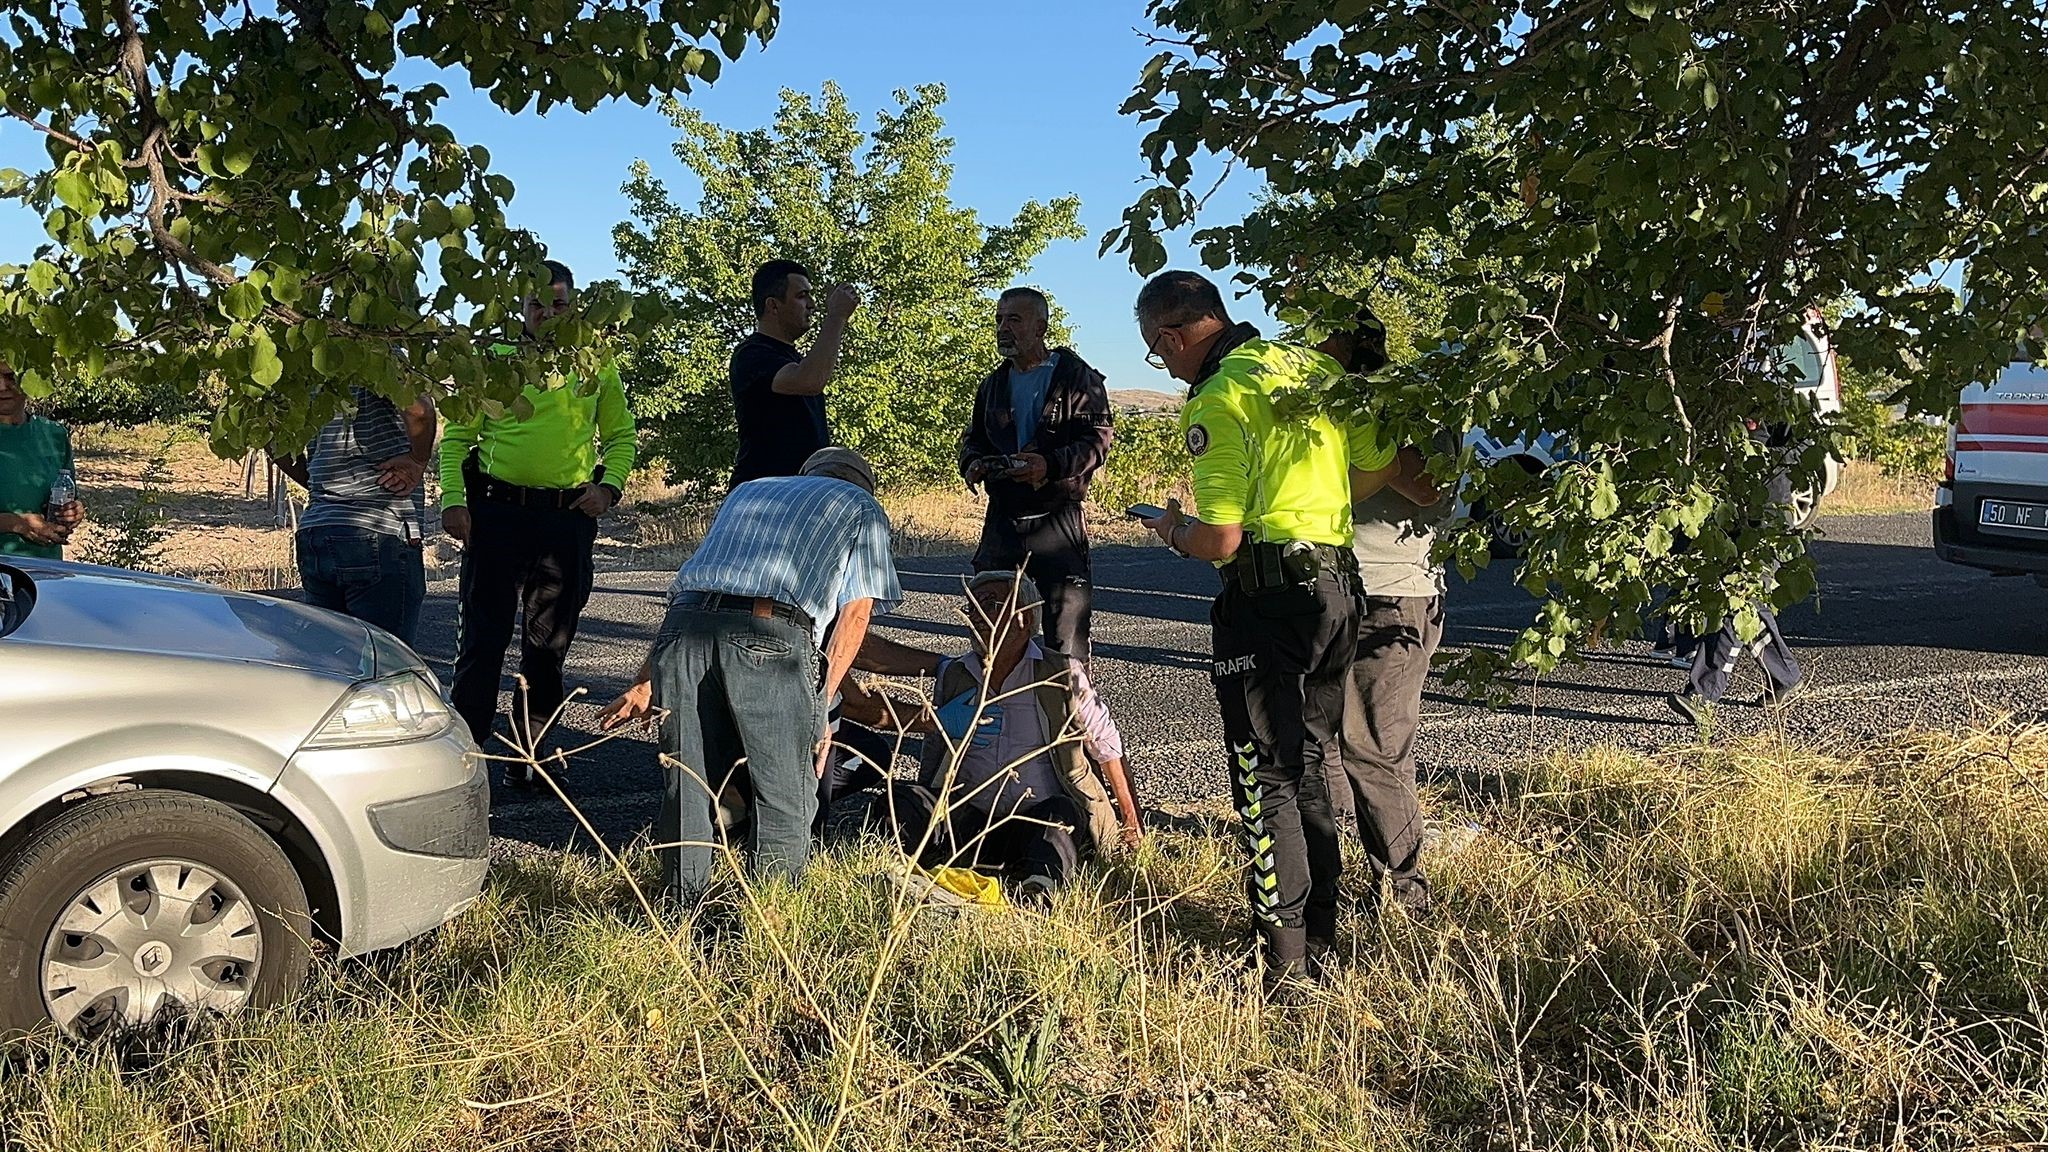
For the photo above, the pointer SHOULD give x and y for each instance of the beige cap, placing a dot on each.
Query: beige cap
(841, 463)
(1026, 593)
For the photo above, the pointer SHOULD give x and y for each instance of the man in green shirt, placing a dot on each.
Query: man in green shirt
(1274, 480)
(523, 497)
(35, 465)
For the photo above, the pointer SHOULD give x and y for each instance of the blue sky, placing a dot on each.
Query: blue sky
(1033, 92)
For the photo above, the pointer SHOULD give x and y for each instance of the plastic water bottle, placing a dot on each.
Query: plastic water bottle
(63, 490)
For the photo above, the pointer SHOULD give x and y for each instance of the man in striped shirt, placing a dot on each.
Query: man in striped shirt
(736, 665)
(358, 542)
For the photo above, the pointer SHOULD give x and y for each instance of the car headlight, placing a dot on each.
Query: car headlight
(394, 710)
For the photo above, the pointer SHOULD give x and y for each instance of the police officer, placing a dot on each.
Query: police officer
(523, 496)
(1274, 479)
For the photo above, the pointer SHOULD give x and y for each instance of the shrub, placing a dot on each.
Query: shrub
(1147, 464)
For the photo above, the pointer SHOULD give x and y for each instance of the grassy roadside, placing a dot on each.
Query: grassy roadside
(1763, 946)
(1868, 490)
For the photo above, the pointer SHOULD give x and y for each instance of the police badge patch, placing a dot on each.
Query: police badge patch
(1198, 439)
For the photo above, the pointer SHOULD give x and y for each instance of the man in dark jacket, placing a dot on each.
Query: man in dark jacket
(1041, 428)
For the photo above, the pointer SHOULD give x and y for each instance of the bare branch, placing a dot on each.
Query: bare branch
(76, 144)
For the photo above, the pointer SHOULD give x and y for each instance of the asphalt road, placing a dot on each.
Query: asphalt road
(1896, 639)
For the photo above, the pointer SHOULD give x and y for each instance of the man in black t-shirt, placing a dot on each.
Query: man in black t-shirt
(778, 393)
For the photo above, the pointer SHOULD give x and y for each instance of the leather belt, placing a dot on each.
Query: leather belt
(485, 486)
(760, 607)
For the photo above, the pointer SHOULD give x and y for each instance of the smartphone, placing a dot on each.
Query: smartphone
(1144, 511)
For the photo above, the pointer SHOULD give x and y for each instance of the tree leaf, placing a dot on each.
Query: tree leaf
(264, 366)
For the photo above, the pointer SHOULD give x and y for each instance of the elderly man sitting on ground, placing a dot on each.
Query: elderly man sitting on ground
(1010, 786)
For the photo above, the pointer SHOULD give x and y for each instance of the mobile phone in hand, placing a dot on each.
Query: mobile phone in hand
(1144, 511)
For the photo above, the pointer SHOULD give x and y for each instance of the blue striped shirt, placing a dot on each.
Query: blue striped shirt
(812, 542)
(341, 469)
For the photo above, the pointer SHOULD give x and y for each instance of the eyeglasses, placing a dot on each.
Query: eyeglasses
(978, 613)
(1152, 356)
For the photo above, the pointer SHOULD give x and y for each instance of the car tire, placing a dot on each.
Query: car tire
(1804, 509)
(177, 862)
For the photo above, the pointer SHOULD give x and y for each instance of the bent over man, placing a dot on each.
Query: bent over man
(1273, 483)
(788, 560)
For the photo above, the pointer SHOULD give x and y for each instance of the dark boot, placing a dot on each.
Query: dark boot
(1287, 980)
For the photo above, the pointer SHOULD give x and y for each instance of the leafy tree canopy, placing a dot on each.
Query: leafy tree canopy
(251, 197)
(870, 208)
(1650, 195)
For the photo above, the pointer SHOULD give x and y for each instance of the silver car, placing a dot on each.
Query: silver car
(198, 787)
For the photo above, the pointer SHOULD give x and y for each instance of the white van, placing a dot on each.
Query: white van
(1819, 379)
(1991, 510)
(1817, 375)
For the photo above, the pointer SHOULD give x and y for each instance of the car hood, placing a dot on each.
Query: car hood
(81, 606)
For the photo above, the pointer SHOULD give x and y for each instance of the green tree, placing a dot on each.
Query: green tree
(1662, 190)
(873, 209)
(252, 197)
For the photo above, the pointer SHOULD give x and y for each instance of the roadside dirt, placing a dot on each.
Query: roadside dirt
(161, 490)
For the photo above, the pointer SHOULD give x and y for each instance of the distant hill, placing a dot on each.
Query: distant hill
(1143, 400)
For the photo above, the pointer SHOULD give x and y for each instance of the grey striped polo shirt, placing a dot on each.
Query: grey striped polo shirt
(342, 468)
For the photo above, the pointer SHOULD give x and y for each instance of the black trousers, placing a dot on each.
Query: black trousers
(861, 759)
(1036, 841)
(1715, 658)
(1053, 551)
(530, 562)
(1280, 666)
(1382, 707)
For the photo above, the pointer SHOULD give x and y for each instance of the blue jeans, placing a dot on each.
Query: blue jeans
(375, 577)
(736, 685)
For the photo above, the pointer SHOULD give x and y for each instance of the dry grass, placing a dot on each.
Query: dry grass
(1867, 490)
(222, 522)
(1765, 946)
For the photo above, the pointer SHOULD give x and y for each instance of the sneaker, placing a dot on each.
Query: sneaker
(1035, 891)
(1681, 662)
(1288, 985)
(1776, 697)
(1690, 706)
(1324, 961)
(1412, 897)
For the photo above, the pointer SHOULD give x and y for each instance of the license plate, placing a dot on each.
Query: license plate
(2007, 514)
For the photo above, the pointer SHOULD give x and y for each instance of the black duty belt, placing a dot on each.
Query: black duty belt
(757, 606)
(484, 486)
(1264, 567)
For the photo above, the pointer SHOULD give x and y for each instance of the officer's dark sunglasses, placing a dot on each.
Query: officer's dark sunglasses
(1152, 356)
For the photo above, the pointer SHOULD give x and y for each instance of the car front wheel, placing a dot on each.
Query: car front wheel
(1804, 510)
(132, 908)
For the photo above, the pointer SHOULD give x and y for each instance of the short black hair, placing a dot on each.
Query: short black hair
(771, 281)
(1031, 294)
(1368, 342)
(1179, 298)
(558, 273)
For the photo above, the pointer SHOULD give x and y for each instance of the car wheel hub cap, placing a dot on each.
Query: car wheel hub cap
(153, 960)
(147, 938)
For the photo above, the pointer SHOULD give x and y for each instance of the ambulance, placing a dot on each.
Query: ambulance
(1991, 510)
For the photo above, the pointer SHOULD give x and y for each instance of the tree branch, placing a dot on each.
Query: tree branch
(76, 144)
